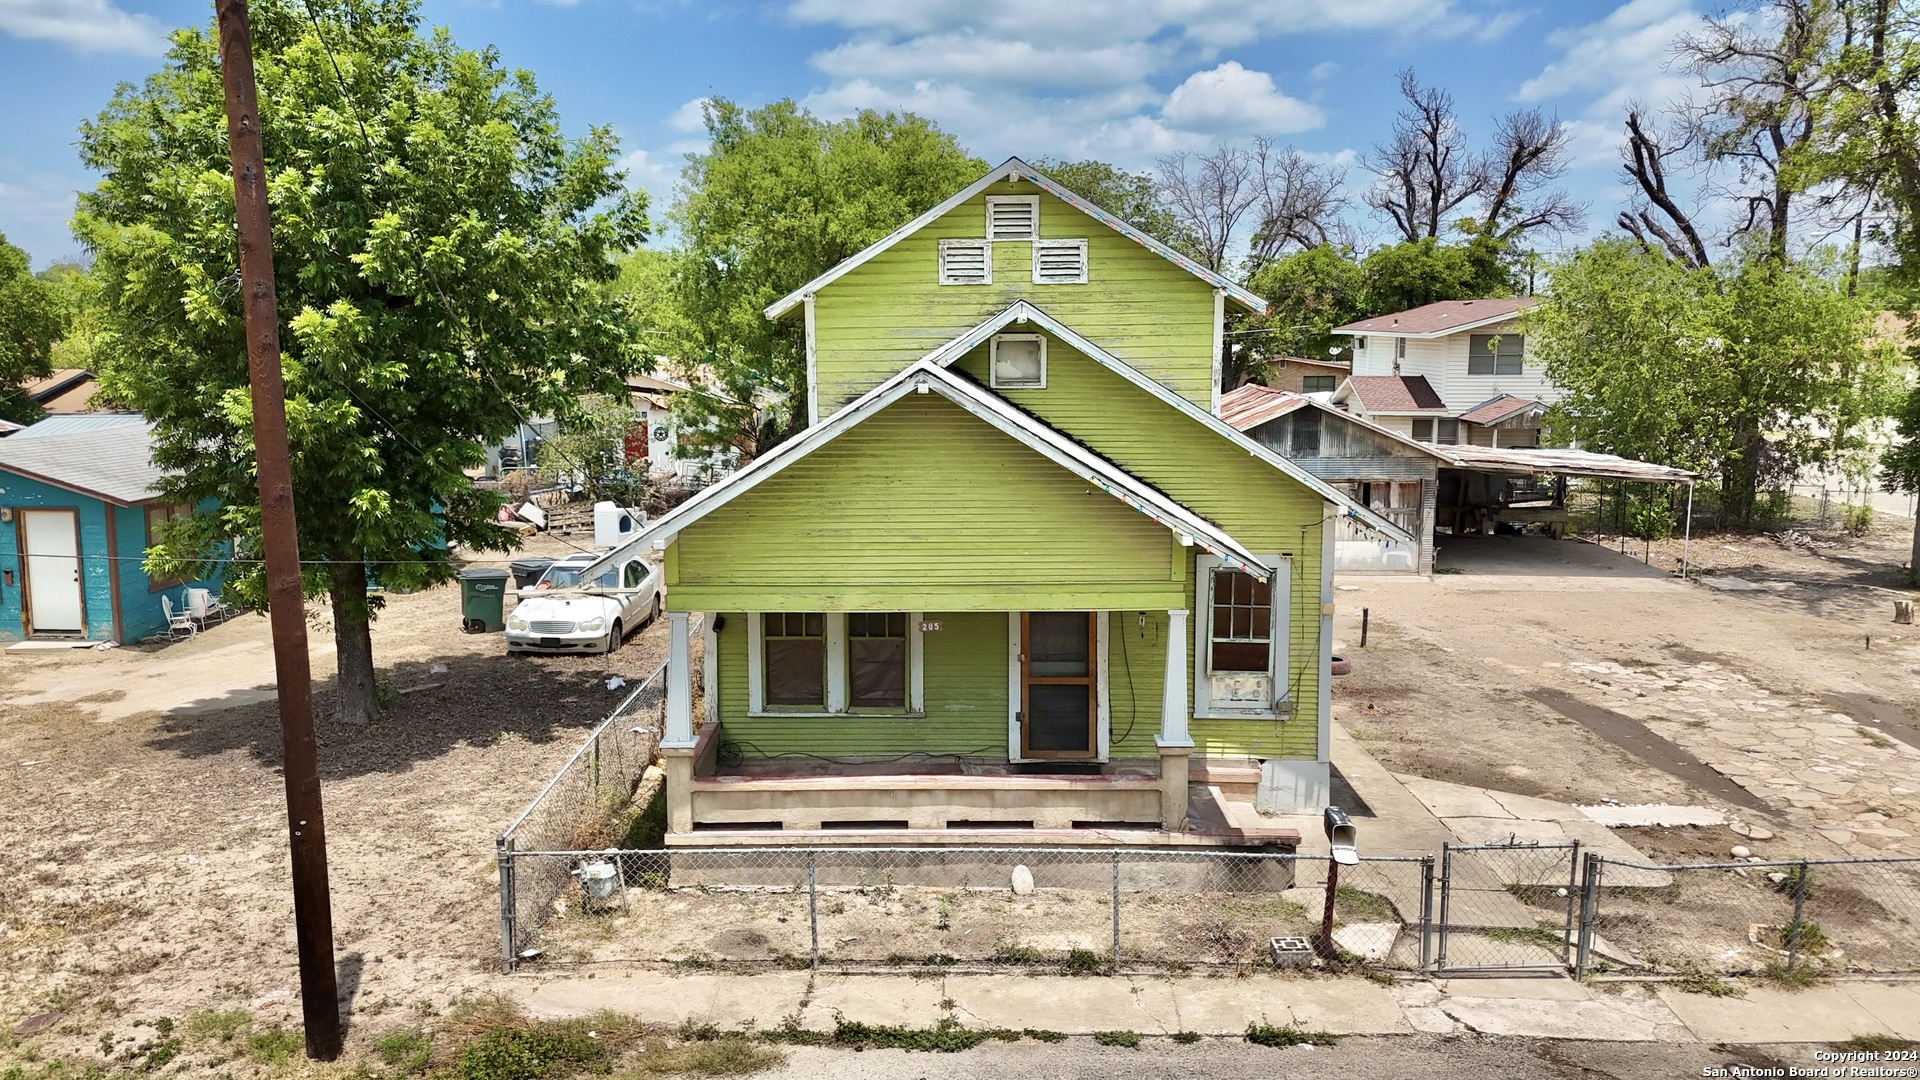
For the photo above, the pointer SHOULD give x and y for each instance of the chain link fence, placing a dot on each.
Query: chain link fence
(1821, 916)
(587, 806)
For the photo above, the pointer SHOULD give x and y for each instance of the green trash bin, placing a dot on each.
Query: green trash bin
(483, 593)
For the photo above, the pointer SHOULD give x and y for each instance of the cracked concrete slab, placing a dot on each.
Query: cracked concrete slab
(1530, 1018)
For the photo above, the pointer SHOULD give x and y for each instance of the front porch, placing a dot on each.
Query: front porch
(929, 773)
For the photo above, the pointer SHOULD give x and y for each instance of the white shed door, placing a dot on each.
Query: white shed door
(53, 570)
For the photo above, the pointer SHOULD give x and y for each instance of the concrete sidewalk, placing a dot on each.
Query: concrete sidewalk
(1552, 1008)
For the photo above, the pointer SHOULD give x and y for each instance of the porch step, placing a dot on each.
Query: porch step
(1237, 778)
(1211, 814)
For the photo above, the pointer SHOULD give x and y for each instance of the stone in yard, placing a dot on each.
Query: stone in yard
(1740, 851)
(1022, 881)
(34, 1025)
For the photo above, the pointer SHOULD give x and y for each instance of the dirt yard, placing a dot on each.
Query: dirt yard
(145, 876)
(1788, 700)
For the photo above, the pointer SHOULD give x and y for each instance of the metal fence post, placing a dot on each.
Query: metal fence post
(1446, 878)
(596, 761)
(504, 851)
(1573, 900)
(1589, 912)
(813, 905)
(1116, 912)
(1799, 900)
(1426, 911)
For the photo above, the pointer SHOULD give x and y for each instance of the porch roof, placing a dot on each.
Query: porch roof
(925, 377)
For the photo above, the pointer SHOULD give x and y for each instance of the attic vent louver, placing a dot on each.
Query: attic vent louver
(1060, 262)
(1013, 217)
(966, 262)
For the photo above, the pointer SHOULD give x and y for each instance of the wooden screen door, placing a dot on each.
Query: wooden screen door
(1058, 710)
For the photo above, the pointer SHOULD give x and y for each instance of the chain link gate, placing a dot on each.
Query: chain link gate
(1507, 907)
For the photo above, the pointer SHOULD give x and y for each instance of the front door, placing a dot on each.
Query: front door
(51, 542)
(1058, 707)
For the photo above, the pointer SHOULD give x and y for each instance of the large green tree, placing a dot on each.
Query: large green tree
(442, 253)
(33, 318)
(1747, 372)
(779, 197)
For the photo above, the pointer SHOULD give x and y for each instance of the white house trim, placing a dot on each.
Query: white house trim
(1024, 312)
(1015, 169)
(813, 371)
(1219, 346)
(924, 377)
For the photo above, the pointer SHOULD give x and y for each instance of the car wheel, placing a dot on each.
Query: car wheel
(615, 636)
(653, 613)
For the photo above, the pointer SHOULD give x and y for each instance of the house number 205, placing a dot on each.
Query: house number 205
(928, 626)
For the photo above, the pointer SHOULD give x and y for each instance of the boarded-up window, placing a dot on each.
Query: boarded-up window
(877, 660)
(1241, 623)
(1495, 354)
(1013, 217)
(796, 658)
(1306, 432)
(1060, 262)
(1018, 362)
(966, 262)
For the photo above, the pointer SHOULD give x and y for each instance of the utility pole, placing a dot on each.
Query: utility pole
(306, 828)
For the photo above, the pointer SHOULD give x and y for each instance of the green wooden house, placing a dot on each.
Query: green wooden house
(1016, 581)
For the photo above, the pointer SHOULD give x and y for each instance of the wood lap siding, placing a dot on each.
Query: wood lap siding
(891, 311)
(922, 507)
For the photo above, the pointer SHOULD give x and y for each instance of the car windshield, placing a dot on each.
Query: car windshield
(566, 577)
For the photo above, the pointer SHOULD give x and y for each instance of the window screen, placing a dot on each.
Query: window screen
(1242, 623)
(1423, 429)
(1495, 354)
(796, 658)
(1306, 432)
(877, 660)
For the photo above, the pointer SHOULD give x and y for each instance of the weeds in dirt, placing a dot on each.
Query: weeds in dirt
(1699, 982)
(528, 1052)
(1012, 952)
(945, 1036)
(1798, 977)
(1797, 880)
(915, 960)
(54, 1070)
(1877, 1043)
(1187, 1038)
(1874, 738)
(275, 1045)
(408, 1050)
(1525, 935)
(730, 1056)
(1363, 906)
(221, 1027)
(1264, 1034)
(1043, 1035)
(1268, 907)
(1083, 962)
(1128, 1039)
(1806, 937)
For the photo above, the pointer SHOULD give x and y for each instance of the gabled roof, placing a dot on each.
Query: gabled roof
(1391, 394)
(114, 463)
(927, 377)
(1252, 405)
(1017, 170)
(1503, 407)
(1024, 312)
(1331, 365)
(1440, 319)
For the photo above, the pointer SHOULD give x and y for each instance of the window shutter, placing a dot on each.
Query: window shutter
(966, 262)
(1060, 262)
(1013, 217)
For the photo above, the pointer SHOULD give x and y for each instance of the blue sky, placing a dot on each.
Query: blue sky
(1121, 80)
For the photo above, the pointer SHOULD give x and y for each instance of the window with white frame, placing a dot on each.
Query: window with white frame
(1017, 362)
(834, 663)
(1360, 344)
(1013, 217)
(1059, 262)
(1496, 354)
(1240, 639)
(966, 262)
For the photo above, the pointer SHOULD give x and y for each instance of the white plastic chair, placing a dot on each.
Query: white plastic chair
(179, 623)
(203, 606)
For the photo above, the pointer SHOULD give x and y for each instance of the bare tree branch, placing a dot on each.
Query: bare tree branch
(1300, 203)
(1209, 194)
(1646, 167)
(1529, 153)
(1425, 171)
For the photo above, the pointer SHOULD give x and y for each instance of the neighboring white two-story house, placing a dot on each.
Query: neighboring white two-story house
(1455, 372)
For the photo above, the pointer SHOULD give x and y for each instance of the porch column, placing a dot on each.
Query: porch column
(679, 733)
(1173, 705)
(1174, 741)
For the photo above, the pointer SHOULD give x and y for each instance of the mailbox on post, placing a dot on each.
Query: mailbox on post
(1342, 838)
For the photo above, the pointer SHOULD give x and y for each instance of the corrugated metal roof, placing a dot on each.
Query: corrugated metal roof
(114, 463)
(1252, 405)
(1444, 317)
(70, 423)
(1516, 459)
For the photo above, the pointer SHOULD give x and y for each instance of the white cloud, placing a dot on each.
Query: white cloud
(1231, 100)
(86, 25)
(1214, 23)
(690, 116)
(1325, 69)
(970, 57)
(1626, 57)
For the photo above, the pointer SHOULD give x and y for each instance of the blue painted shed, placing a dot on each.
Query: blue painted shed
(78, 507)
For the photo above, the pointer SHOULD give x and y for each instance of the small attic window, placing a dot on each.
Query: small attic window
(1059, 262)
(1018, 362)
(966, 262)
(1013, 217)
